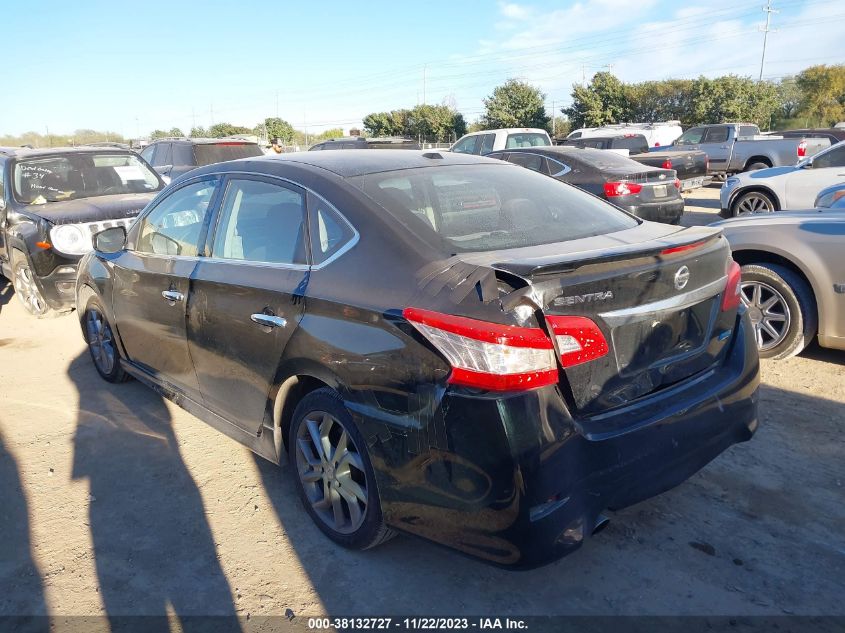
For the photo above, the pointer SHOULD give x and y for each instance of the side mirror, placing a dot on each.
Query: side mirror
(808, 164)
(111, 240)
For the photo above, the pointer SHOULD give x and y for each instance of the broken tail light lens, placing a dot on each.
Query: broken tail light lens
(488, 355)
(667, 164)
(802, 149)
(732, 297)
(578, 339)
(677, 183)
(621, 188)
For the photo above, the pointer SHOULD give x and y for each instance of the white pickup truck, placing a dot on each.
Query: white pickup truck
(738, 147)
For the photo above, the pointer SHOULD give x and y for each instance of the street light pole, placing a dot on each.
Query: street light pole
(768, 10)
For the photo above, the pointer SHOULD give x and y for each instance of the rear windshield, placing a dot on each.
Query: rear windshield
(73, 176)
(599, 159)
(490, 207)
(208, 154)
(527, 139)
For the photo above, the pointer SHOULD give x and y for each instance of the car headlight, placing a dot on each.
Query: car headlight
(826, 201)
(70, 240)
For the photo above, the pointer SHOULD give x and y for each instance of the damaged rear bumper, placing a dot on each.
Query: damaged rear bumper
(519, 482)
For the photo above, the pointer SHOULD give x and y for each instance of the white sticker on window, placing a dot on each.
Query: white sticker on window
(129, 172)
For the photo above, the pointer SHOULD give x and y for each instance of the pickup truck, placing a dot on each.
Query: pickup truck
(690, 165)
(738, 147)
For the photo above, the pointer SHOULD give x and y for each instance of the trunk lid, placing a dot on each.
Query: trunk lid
(654, 292)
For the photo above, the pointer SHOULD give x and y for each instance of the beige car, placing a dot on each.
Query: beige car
(793, 277)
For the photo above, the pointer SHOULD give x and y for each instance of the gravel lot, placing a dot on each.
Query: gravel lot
(117, 502)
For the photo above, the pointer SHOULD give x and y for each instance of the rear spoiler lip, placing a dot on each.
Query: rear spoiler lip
(574, 261)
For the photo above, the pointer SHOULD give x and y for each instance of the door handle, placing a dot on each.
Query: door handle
(268, 320)
(172, 295)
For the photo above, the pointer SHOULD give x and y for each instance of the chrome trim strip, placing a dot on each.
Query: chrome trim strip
(616, 318)
(250, 262)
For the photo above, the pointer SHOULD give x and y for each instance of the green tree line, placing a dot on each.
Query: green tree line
(815, 97)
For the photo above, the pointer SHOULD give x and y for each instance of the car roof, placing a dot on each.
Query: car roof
(202, 141)
(509, 130)
(354, 162)
(27, 152)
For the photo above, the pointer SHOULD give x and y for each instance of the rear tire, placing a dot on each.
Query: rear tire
(334, 475)
(101, 344)
(753, 202)
(757, 166)
(782, 308)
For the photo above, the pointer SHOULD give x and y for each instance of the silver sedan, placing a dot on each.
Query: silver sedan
(793, 277)
(783, 188)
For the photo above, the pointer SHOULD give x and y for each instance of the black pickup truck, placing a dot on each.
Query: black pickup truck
(690, 165)
(52, 202)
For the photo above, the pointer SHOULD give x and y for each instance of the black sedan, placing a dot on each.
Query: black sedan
(441, 344)
(647, 192)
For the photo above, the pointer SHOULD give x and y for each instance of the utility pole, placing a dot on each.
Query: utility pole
(193, 118)
(768, 10)
(583, 74)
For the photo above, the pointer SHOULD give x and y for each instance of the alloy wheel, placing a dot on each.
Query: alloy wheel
(332, 472)
(769, 313)
(27, 291)
(100, 341)
(754, 203)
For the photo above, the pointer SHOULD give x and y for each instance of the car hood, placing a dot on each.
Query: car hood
(92, 209)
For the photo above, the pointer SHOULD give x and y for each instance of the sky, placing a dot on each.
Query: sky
(134, 67)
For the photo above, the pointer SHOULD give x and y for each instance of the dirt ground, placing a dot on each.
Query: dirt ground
(117, 502)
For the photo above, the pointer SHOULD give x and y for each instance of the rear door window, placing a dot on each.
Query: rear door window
(331, 233)
(183, 154)
(718, 134)
(748, 130)
(210, 153)
(261, 222)
(527, 139)
(533, 162)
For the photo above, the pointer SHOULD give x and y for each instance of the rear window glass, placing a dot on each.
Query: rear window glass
(220, 152)
(527, 139)
(489, 207)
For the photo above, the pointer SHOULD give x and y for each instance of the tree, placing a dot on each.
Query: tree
(332, 133)
(515, 104)
(733, 98)
(158, 134)
(426, 122)
(199, 132)
(275, 128)
(823, 89)
(604, 101)
(175, 131)
(219, 130)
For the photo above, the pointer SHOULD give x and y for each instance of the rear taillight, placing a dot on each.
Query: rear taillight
(684, 247)
(578, 339)
(802, 149)
(667, 164)
(621, 188)
(732, 297)
(488, 355)
(678, 183)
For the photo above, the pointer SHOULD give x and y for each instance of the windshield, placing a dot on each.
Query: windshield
(82, 175)
(490, 207)
(208, 154)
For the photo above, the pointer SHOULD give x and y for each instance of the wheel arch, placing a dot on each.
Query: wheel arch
(757, 256)
(751, 189)
(757, 159)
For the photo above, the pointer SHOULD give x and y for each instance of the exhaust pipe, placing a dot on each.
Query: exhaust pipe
(601, 523)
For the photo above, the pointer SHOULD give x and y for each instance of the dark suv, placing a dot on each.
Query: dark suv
(52, 201)
(172, 157)
(357, 142)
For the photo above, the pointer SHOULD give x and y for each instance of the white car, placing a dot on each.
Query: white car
(488, 141)
(659, 134)
(792, 187)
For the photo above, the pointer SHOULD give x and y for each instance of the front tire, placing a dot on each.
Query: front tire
(26, 288)
(753, 202)
(781, 307)
(334, 476)
(101, 344)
